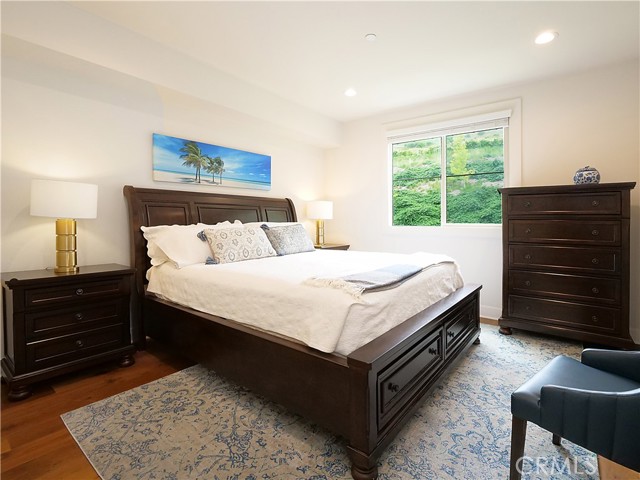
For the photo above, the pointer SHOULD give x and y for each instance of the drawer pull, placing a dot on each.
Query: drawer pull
(527, 283)
(79, 316)
(595, 261)
(595, 233)
(432, 351)
(594, 318)
(79, 291)
(450, 334)
(595, 290)
(527, 231)
(527, 204)
(393, 387)
(79, 344)
(595, 203)
(527, 256)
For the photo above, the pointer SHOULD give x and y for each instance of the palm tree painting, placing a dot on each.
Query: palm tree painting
(185, 161)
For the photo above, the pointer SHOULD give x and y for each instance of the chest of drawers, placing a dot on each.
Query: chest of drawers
(566, 261)
(57, 323)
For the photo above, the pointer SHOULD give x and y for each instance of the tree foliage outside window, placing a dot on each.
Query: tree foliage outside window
(473, 166)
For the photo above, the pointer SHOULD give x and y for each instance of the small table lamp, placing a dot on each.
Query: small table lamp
(65, 201)
(320, 210)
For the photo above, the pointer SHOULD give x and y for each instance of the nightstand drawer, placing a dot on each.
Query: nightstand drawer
(36, 297)
(55, 351)
(591, 232)
(607, 203)
(49, 323)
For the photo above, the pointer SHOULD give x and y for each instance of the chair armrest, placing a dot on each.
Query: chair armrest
(623, 363)
(607, 423)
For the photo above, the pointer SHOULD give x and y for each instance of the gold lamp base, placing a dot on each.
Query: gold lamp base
(319, 232)
(66, 256)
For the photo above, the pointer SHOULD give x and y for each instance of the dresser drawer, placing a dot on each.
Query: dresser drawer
(84, 316)
(606, 290)
(565, 314)
(36, 297)
(55, 351)
(606, 203)
(403, 377)
(588, 232)
(584, 260)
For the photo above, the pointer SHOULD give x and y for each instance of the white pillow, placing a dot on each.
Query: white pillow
(178, 243)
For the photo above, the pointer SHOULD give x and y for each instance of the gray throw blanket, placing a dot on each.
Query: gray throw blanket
(372, 280)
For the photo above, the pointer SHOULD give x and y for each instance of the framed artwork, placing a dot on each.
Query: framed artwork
(178, 160)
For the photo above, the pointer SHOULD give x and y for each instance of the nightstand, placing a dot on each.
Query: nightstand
(332, 246)
(58, 323)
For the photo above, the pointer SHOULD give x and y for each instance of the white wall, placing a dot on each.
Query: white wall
(69, 119)
(590, 118)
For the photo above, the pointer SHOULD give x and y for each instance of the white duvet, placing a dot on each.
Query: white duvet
(271, 294)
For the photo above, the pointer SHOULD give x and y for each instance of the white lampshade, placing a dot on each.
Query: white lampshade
(320, 210)
(51, 198)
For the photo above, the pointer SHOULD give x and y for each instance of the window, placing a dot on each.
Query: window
(449, 175)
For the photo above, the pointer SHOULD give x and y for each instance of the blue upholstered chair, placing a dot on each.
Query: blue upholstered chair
(594, 403)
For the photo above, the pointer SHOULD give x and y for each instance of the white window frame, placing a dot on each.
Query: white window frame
(461, 121)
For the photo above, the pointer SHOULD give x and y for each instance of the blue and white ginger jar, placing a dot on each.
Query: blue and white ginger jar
(586, 175)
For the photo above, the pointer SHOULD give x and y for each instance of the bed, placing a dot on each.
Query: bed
(365, 397)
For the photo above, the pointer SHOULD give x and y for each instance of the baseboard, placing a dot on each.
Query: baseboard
(489, 321)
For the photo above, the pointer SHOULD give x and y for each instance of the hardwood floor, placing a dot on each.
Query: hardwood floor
(35, 442)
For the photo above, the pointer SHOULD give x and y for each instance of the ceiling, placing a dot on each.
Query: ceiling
(310, 52)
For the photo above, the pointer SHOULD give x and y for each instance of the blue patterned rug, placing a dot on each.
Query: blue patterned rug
(193, 424)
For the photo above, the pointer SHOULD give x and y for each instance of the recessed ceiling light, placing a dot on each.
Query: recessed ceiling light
(546, 37)
(370, 37)
(350, 92)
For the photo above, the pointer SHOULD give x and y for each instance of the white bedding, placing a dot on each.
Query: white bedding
(271, 294)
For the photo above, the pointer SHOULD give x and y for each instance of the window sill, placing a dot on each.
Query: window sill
(475, 230)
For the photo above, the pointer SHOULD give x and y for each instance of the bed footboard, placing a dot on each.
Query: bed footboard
(390, 376)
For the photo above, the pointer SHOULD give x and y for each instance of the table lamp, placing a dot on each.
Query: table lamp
(320, 210)
(65, 201)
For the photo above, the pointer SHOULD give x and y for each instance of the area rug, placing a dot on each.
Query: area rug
(195, 425)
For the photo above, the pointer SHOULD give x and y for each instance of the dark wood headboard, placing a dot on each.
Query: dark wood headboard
(150, 207)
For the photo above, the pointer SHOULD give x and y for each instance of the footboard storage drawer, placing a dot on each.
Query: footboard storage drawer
(566, 261)
(408, 374)
(458, 328)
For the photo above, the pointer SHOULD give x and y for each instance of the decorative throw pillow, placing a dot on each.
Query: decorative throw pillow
(288, 239)
(238, 244)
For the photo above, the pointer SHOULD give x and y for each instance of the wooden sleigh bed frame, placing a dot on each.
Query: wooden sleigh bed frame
(365, 397)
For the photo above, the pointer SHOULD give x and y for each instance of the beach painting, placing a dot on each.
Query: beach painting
(178, 160)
